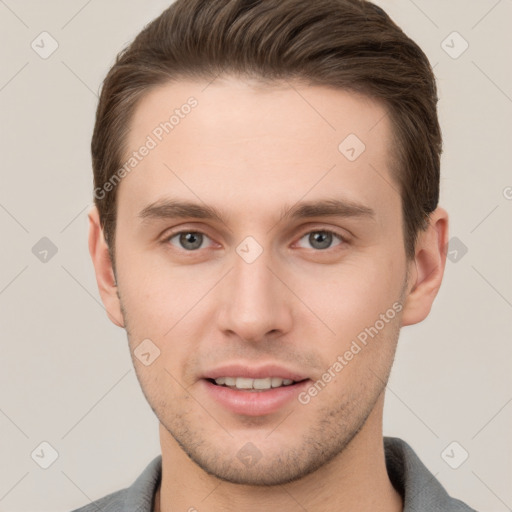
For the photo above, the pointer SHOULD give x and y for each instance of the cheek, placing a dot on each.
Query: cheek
(168, 305)
(351, 296)
(160, 383)
(152, 291)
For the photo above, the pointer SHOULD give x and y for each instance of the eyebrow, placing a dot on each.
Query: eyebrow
(176, 209)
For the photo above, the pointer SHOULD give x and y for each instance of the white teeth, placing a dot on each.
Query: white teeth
(243, 383)
(262, 383)
(246, 383)
(276, 382)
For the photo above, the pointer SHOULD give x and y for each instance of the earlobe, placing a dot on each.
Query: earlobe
(103, 268)
(429, 264)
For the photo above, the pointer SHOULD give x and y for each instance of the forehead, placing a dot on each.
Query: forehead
(249, 141)
(238, 108)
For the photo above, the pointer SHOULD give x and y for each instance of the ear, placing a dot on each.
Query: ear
(427, 270)
(105, 277)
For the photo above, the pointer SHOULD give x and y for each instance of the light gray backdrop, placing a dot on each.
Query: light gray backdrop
(66, 377)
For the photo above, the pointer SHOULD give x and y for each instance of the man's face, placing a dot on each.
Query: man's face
(273, 294)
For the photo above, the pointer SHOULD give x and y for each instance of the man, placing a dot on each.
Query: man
(266, 220)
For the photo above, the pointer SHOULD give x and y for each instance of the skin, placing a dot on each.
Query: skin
(252, 152)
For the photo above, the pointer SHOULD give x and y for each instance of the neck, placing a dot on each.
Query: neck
(356, 479)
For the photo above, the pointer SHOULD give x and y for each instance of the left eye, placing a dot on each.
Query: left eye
(189, 240)
(321, 239)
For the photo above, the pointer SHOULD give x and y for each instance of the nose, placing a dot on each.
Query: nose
(254, 304)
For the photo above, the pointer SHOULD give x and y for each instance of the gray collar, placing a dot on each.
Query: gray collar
(420, 489)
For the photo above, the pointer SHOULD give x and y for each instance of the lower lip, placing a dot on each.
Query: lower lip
(254, 403)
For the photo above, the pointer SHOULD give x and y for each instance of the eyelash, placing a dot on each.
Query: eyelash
(342, 239)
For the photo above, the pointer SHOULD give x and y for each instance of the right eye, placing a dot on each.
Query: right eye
(187, 240)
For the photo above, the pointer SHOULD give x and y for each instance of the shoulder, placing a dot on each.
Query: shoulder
(418, 486)
(138, 497)
(111, 503)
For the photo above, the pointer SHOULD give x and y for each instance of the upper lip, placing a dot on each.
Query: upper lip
(254, 372)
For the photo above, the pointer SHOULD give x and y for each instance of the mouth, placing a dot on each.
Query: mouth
(253, 397)
(249, 390)
(254, 385)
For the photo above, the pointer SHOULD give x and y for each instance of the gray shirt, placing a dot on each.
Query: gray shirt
(420, 490)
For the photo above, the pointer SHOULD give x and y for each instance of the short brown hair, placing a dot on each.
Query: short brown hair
(352, 45)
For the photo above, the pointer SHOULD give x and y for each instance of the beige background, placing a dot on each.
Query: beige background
(66, 377)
